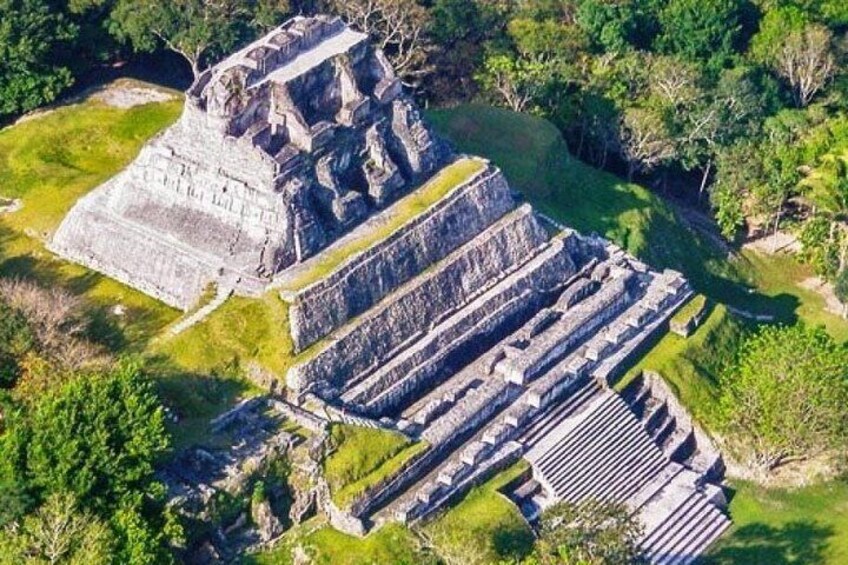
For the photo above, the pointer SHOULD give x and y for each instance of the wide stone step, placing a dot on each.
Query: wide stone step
(622, 449)
(549, 419)
(676, 516)
(630, 458)
(471, 412)
(366, 277)
(408, 314)
(678, 533)
(572, 453)
(577, 433)
(576, 324)
(713, 530)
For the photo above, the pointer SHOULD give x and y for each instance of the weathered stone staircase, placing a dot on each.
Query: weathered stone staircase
(495, 346)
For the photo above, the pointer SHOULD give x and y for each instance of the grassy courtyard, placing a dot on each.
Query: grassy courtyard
(325, 545)
(362, 458)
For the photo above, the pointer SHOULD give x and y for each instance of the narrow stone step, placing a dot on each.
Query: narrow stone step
(675, 536)
(623, 447)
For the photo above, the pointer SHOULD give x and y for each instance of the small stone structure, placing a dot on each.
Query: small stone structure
(469, 327)
(281, 147)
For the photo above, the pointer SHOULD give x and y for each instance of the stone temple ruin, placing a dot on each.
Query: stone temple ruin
(280, 147)
(476, 327)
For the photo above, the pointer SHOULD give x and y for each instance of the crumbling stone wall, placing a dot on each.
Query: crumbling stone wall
(373, 274)
(402, 319)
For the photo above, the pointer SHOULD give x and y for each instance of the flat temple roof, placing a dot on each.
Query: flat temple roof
(304, 62)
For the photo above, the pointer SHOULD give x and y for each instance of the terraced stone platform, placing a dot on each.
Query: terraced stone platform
(423, 296)
(281, 148)
(503, 348)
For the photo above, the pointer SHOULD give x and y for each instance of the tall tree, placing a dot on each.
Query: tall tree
(33, 68)
(786, 399)
(399, 27)
(798, 51)
(58, 532)
(700, 30)
(645, 141)
(198, 30)
(514, 81)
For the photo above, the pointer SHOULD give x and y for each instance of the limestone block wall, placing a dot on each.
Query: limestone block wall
(132, 256)
(407, 315)
(195, 139)
(428, 238)
(487, 318)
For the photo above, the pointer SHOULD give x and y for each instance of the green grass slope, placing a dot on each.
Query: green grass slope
(49, 162)
(362, 458)
(536, 161)
(484, 526)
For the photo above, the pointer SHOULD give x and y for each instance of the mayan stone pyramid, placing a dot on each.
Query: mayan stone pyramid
(282, 146)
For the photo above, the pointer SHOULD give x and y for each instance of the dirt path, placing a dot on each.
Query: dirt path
(780, 242)
(826, 291)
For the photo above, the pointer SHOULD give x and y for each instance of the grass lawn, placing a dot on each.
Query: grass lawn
(239, 331)
(774, 527)
(690, 365)
(484, 527)
(396, 216)
(362, 458)
(49, 162)
(778, 278)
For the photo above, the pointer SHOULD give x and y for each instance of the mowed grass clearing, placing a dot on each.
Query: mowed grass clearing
(805, 526)
(391, 544)
(362, 458)
(484, 526)
(50, 161)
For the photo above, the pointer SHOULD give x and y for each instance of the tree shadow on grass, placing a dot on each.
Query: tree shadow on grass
(799, 542)
(512, 543)
(195, 399)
